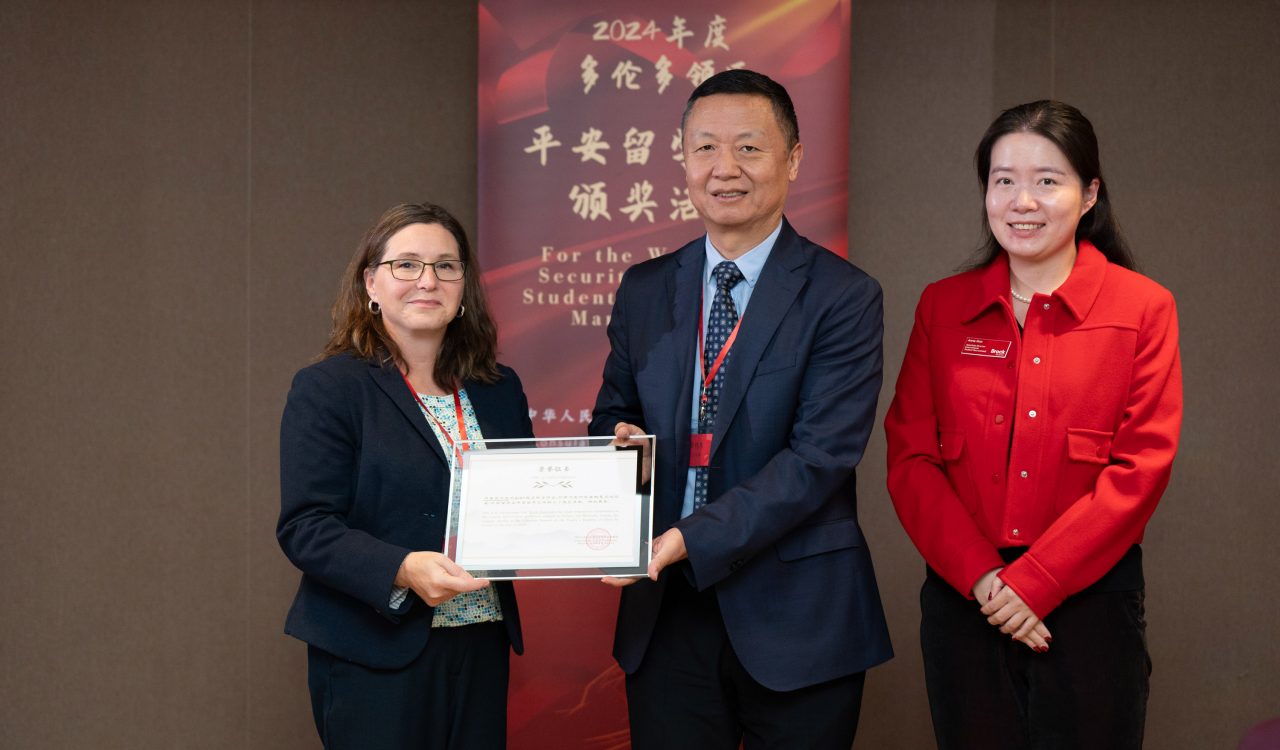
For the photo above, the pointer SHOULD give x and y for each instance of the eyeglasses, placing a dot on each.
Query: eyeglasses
(408, 269)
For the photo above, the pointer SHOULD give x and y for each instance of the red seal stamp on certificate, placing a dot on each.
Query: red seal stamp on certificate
(598, 539)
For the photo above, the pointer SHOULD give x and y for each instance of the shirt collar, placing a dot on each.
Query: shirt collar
(750, 263)
(1077, 293)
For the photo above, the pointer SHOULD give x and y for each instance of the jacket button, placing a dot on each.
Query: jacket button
(999, 419)
(1023, 474)
(1015, 532)
(1046, 305)
(1032, 414)
(735, 565)
(1036, 360)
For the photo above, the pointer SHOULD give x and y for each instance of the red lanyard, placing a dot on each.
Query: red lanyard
(457, 406)
(724, 350)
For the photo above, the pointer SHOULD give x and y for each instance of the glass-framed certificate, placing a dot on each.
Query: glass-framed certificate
(551, 507)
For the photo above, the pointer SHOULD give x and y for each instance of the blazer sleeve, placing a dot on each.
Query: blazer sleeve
(835, 411)
(320, 442)
(1095, 531)
(618, 399)
(934, 516)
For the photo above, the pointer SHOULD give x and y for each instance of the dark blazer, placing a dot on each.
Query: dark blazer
(363, 482)
(779, 540)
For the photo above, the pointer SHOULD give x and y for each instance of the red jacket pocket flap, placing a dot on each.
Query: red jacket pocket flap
(1089, 446)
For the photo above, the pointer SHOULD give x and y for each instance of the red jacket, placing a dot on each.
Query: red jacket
(1092, 390)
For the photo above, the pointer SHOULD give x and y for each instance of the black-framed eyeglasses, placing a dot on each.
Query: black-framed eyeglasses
(408, 269)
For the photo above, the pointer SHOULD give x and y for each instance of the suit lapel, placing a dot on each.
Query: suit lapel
(684, 289)
(392, 384)
(780, 281)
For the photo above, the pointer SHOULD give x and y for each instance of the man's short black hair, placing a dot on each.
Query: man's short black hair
(753, 83)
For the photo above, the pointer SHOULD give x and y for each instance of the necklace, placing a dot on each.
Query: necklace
(1019, 297)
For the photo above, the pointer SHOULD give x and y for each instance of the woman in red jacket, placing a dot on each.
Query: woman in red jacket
(1031, 436)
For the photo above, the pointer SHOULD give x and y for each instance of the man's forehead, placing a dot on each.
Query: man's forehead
(725, 100)
(752, 114)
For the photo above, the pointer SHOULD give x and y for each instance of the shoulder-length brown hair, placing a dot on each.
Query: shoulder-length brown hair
(470, 349)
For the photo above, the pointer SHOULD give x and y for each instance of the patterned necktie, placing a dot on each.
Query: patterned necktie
(724, 316)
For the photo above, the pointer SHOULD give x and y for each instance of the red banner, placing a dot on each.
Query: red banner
(580, 178)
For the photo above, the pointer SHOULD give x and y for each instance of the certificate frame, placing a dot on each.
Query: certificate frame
(551, 508)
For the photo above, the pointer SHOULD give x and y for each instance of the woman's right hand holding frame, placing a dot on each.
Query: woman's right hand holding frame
(435, 577)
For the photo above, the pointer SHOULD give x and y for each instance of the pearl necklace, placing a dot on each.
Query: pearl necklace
(1019, 297)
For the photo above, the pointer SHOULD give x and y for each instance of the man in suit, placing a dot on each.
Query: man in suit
(754, 357)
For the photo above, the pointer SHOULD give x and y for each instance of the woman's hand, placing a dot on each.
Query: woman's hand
(435, 577)
(1006, 611)
(988, 586)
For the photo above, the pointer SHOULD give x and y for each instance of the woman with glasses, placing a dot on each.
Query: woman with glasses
(1032, 434)
(405, 649)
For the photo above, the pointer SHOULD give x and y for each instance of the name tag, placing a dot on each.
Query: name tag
(976, 347)
(699, 449)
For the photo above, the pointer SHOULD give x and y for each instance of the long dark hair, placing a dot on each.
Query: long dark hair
(1072, 133)
(470, 348)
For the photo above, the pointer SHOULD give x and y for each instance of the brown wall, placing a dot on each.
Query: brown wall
(180, 186)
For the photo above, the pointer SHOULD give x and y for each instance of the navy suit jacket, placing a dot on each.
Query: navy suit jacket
(779, 539)
(363, 482)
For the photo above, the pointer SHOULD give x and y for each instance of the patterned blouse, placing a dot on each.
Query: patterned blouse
(469, 607)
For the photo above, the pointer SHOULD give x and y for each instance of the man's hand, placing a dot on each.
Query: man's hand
(667, 550)
(622, 434)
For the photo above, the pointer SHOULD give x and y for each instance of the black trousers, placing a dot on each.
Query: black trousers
(454, 695)
(989, 691)
(692, 692)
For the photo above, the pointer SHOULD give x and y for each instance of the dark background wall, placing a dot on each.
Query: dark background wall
(181, 184)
